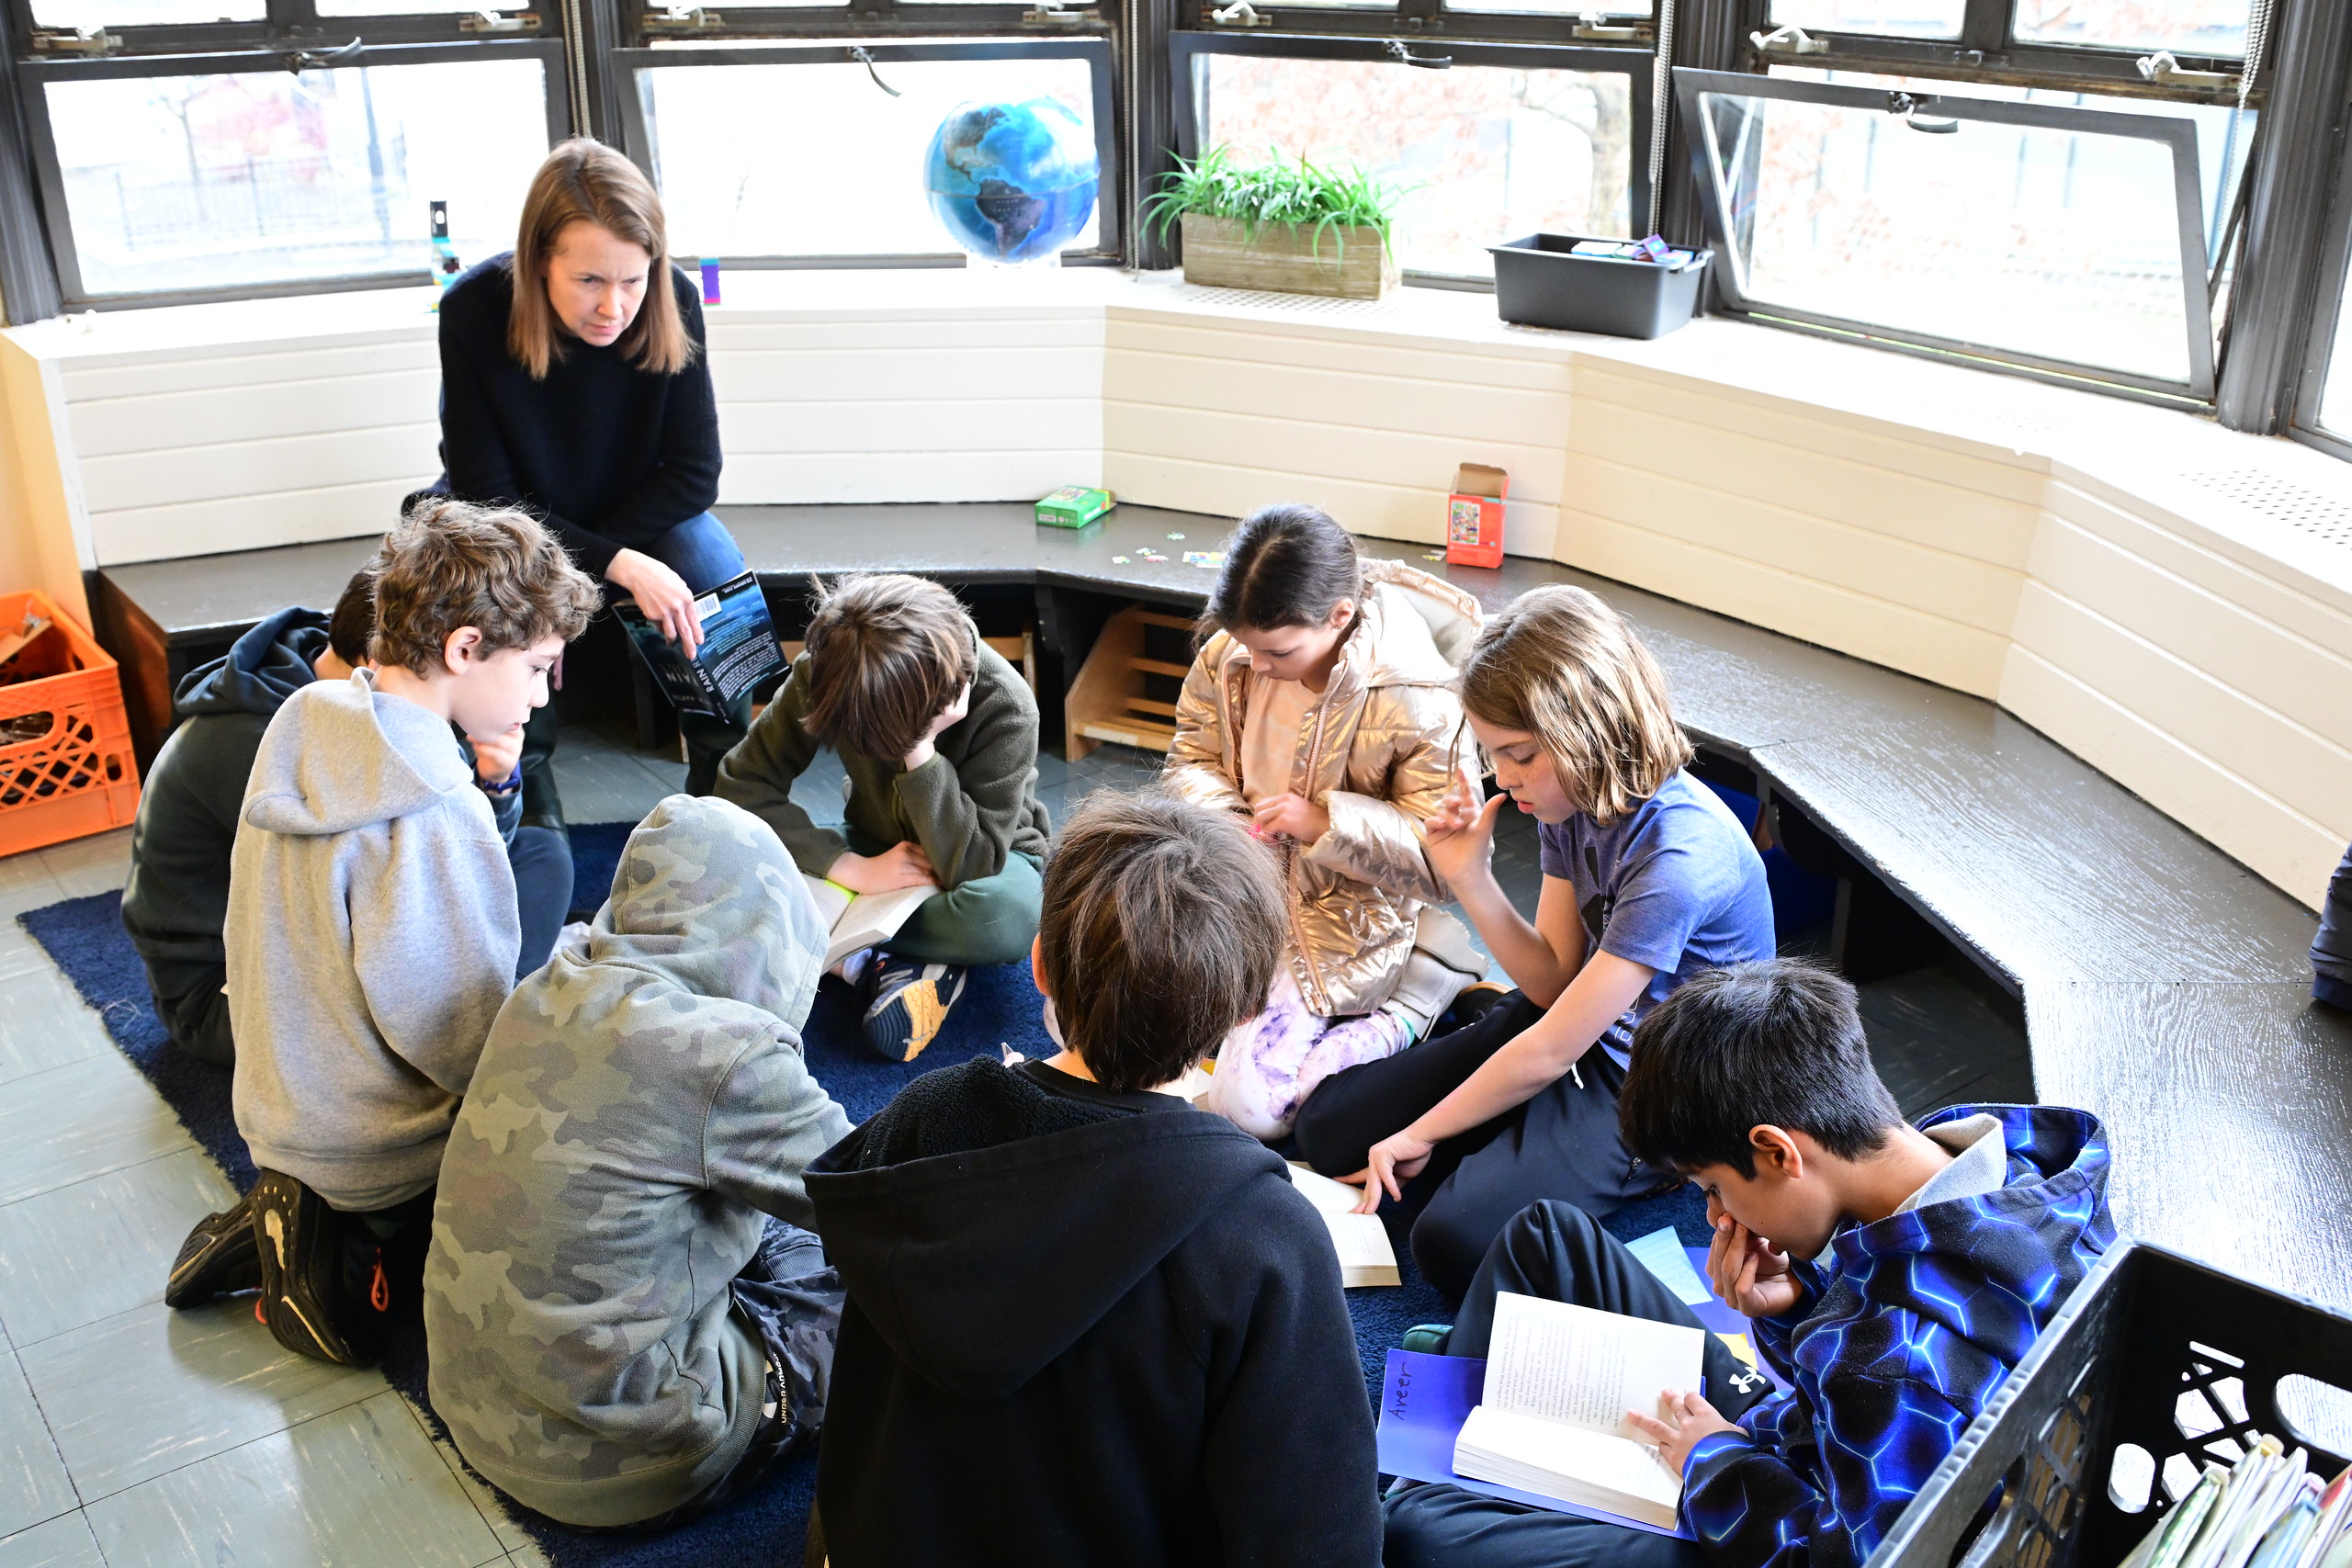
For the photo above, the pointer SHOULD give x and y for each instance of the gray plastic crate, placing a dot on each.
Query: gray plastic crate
(1539, 284)
(2150, 1337)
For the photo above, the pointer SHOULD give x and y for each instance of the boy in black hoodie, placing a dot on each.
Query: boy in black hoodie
(1088, 1324)
(176, 900)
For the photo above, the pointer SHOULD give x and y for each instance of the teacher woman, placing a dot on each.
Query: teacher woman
(575, 383)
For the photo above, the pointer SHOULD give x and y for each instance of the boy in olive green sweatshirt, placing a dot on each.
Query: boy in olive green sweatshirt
(938, 736)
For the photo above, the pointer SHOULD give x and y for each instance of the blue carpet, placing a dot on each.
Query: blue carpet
(1002, 1006)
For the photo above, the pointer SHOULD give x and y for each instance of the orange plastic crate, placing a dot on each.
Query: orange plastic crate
(66, 768)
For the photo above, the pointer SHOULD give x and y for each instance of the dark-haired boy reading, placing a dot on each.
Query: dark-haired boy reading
(1895, 1275)
(1088, 1324)
(938, 736)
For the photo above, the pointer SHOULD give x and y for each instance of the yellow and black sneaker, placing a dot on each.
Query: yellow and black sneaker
(908, 1000)
(218, 1258)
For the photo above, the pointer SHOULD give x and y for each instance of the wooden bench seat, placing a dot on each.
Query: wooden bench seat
(2164, 985)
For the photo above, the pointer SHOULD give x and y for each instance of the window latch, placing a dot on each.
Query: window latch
(493, 22)
(1241, 14)
(2162, 66)
(1596, 26)
(864, 57)
(1906, 107)
(682, 19)
(1788, 39)
(73, 40)
(300, 60)
(1052, 15)
(1404, 56)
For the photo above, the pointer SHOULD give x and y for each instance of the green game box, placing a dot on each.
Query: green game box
(1074, 506)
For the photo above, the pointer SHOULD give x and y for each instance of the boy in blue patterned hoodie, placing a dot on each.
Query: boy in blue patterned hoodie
(1895, 1274)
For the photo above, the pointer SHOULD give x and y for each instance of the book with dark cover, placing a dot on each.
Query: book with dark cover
(739, 648)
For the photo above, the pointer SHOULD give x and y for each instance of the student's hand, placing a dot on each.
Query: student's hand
(660, 593)
(495, 755)
(1749, 1274)
(900, 865)
(1681, 1420)
(1293, 816)
(1461, 835)
(1394, 1160)
(949, 716)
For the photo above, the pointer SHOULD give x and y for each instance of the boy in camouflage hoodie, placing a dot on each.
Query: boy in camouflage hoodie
(623, 1327)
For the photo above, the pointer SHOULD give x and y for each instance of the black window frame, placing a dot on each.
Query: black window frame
(1188, 45)
(2176, 134)
(820, 49)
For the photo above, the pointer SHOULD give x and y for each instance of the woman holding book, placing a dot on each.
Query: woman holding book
(1648, 879)
(575, 382)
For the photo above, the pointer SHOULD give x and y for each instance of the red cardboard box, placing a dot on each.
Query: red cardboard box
(1474, 516)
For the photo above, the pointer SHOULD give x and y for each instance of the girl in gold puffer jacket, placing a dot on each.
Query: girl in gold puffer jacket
(1322, 707)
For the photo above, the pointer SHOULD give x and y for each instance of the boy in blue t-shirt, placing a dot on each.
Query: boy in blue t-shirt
(1894, 1274)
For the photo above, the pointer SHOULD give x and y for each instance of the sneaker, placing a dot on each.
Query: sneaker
(301, 1243)
(907, 1001)
(218, 1258)
(1474, 1003)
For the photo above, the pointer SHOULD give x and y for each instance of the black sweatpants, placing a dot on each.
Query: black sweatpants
(1560, 1254)
(1562, 1144)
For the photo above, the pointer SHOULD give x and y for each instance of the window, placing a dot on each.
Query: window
(192, 184)
(2063, 239)
(713, 122)
(1502, 140)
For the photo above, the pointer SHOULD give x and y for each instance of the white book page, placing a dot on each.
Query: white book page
(831, 898)
(1532, 1454)
(1360, 1240)
(1586, 1368)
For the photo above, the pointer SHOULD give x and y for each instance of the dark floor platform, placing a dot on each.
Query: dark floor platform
(2164, 985)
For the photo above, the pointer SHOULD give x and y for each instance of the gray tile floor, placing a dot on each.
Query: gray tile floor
(132, 1436)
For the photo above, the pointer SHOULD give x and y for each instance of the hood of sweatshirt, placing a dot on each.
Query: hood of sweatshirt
(341, 755)
(950, 1256)
(1993, 1268)
(263, 668)
(707, 898)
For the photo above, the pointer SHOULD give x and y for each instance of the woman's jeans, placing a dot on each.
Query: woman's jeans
(703, 552)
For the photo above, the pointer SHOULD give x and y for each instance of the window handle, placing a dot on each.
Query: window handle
(1426, 61)
(300, 60)
(859, 52)
(2162, 66)
(1907, 109)
(1790, 37)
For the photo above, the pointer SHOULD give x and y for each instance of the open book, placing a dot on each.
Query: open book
(862, 919)
(1361, 1241)
(1551, 1417)
(739, 648)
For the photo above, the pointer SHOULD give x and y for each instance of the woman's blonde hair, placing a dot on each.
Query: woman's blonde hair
(583, 181)
(1562, 665)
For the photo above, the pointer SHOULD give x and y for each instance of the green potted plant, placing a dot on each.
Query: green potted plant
(1285, 226)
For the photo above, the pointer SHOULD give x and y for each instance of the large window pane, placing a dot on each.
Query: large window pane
(212, 182)
(2058, 245)
(815, 160)
(2187, 27)
(89, 15)
(1616, 10)
(2336, 392)
(1488, 153)
(1893, 18)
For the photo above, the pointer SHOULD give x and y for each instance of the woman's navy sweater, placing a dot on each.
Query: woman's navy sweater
(611, 455)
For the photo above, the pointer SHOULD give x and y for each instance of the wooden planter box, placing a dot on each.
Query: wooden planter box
(1350, 262)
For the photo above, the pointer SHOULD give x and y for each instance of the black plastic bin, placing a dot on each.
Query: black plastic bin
(1539, 284)
(2150, 1339)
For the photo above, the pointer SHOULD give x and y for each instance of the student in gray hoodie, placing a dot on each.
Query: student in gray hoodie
(189, 805)
(371, 929)
(623, 1328)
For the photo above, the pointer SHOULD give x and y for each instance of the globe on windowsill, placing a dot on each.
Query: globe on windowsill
(1012, 183)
